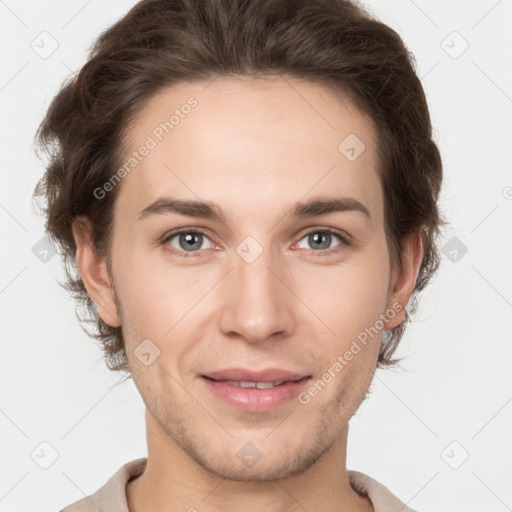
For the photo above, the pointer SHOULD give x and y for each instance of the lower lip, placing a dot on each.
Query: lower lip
(254, 399)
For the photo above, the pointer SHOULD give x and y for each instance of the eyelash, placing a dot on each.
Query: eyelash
(345, 241)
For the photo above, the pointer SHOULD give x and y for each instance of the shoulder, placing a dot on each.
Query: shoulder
(382, 498)
(112, 495)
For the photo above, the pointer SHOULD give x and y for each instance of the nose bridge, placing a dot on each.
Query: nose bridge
(257, 302)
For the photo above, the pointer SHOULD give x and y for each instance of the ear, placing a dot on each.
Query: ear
(93, 271)
(404, 279)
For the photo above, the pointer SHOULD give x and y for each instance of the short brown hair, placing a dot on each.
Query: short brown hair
(159, 43)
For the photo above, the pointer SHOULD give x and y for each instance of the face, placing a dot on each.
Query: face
(261, 285)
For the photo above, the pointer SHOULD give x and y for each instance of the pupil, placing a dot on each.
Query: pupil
(190, 243)
(317, 237)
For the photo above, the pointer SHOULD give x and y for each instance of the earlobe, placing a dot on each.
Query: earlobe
(93, 271)
(405, 278)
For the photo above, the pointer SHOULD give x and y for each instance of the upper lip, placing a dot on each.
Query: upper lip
(265, 375)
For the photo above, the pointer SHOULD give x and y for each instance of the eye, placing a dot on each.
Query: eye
(186, 241)
(320, 240)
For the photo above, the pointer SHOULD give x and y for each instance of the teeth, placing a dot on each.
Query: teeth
(265, 385)
(259, 385)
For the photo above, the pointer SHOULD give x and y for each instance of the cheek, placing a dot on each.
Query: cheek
(140, 289)
(156, 297)
(355, 292)
(349, 300)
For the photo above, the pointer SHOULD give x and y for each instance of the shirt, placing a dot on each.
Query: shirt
(111, 497)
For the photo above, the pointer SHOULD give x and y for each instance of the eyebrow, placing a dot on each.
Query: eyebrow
(209, 210)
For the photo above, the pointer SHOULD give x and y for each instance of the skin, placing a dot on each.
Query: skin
(254, 147)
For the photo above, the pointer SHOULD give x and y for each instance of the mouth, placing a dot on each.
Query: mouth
(255, 391)
(254, 384)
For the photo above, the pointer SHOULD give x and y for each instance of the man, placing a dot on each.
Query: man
(249, 230)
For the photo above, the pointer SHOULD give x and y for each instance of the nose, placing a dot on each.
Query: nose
(257, 300)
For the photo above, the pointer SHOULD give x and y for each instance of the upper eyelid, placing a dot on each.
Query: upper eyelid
(179, 231)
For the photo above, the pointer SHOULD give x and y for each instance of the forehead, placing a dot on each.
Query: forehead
(249, 143)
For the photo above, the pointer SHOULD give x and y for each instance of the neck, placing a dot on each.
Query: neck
(174, 481)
